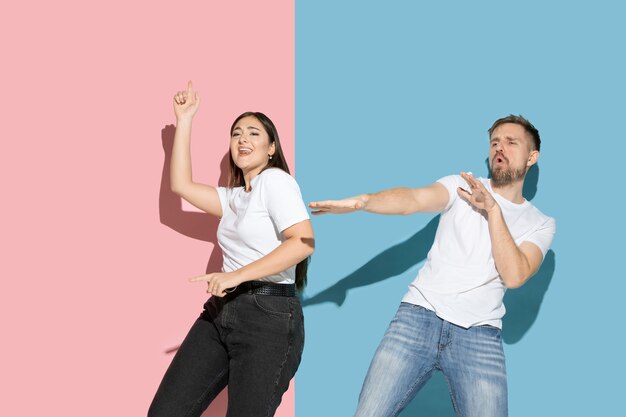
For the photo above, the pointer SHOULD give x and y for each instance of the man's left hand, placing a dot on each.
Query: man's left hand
(479, 197)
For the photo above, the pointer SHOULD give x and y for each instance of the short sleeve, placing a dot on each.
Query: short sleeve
(282, 197)
(222, 193)
(543, 236)
(451, 182)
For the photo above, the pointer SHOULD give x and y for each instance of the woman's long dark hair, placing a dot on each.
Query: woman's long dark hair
(236, 179)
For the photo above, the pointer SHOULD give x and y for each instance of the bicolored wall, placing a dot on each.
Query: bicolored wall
(366, 96)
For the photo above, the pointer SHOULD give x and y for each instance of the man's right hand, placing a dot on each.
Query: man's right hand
(347, 205)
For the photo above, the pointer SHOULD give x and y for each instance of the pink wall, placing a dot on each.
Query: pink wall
(95, 261)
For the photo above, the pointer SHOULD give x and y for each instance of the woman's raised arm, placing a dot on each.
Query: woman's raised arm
(203, 196)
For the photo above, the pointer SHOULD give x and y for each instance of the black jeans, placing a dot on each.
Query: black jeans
(252, 343)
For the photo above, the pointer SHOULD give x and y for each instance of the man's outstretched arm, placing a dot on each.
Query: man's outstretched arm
(432, 198)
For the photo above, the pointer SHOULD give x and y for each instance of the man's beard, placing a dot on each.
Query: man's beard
(501, 177)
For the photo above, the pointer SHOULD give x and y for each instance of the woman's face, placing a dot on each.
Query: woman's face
(250, 145)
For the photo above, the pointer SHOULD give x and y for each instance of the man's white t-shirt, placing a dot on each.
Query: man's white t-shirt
(252, 222)
(459, 280)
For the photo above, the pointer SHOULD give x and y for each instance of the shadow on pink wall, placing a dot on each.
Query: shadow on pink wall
(196, 225)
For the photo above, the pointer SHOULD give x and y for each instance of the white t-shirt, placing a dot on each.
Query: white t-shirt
(459, 280)
(252, 222)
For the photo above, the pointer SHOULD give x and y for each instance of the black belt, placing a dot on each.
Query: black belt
(265, 288)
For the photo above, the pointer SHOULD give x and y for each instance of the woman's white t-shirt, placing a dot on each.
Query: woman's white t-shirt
(252, 222)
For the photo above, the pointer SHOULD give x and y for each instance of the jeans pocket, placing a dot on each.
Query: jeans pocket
(273, 304)
(488, 331)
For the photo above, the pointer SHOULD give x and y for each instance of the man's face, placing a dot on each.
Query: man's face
(510, 154)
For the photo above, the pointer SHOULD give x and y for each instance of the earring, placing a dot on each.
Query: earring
(270, 157)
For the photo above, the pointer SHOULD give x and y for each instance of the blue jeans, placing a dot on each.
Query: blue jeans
(252, 343)
(418, 343)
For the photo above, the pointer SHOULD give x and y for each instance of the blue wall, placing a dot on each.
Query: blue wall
(400, 93)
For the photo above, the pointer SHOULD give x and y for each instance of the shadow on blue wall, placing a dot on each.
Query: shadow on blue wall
(522, 304)
(530, 183)
(387, 264)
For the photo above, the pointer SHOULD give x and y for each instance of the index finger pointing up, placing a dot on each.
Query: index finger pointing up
(189, 88)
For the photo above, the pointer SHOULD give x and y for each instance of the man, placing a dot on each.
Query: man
(489, 239)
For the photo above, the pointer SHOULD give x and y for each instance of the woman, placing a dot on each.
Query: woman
(251, 334)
